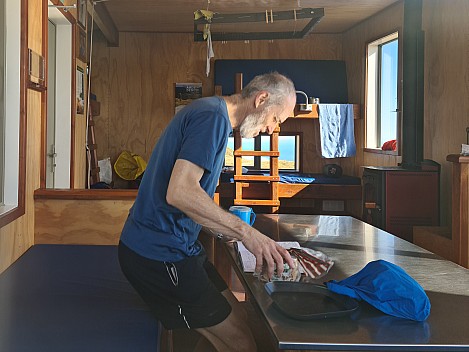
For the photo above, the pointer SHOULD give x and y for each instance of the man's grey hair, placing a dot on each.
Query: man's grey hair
(279, 87)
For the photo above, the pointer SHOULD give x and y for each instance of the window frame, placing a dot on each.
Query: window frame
(10, 212)
(373, 102)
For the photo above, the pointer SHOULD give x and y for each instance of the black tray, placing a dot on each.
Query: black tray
(305, 301)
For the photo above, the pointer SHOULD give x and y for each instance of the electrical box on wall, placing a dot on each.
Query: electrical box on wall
(36, 68)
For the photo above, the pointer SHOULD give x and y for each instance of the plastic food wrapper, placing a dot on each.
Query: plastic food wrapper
(311, 262)
(288, 274)
(314, 263)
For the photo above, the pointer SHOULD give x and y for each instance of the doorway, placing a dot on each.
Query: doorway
(59, 100)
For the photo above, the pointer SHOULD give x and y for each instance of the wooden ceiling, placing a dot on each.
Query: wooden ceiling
(177, 16)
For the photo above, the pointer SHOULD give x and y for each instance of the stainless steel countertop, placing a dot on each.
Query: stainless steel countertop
(352, 244)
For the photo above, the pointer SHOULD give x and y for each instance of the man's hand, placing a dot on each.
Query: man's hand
(267, 252)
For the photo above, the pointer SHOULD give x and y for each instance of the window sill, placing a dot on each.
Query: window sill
(379, 151)
(9, 213)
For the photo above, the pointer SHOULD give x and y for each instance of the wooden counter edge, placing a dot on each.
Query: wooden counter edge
(86, 194)
(457, 158)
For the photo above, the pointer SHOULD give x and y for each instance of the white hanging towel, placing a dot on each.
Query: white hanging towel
(337, 130)
(210, 52)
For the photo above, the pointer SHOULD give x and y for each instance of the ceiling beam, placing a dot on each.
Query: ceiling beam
(104, 22)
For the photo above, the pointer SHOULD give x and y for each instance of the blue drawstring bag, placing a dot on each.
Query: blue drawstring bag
(388, 288)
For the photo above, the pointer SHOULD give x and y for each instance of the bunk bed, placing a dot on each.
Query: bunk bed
(272, 193)
(73, 298)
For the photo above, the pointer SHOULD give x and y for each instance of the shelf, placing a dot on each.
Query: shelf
(314, 114)
(457, 158)
(256, 153)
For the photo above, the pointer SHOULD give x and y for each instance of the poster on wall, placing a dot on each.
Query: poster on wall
(185, 93)
(80, 90)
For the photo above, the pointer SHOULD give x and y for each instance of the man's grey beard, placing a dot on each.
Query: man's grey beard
(250, 125)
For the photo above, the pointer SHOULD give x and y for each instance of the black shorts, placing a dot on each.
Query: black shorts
(182, 295)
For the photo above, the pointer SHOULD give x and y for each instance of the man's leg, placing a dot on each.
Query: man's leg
(232, 334)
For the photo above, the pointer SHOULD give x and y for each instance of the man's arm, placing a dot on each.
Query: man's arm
(186, 194)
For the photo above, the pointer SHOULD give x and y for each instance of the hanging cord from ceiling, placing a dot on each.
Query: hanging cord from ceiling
(208, 15)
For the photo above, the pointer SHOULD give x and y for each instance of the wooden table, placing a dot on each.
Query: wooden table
(352, 244)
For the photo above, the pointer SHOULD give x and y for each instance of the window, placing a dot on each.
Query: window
(12, 119)
(382, 105)
(288, 145)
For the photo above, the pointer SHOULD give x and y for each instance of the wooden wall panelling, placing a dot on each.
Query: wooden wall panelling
(79, 130)
(17, 236)
(460, 209)
(141, 73)
(80, 221)
(446, 104)
(101, 88)
(312, 47)
(311, 159)
(33, 159)
(35, 26)
(446, 91)
(354, 48)
(376, 159)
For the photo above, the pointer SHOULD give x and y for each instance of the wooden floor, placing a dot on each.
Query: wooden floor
(186, 340)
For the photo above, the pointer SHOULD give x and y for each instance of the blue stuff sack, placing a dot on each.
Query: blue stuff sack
(388, 288)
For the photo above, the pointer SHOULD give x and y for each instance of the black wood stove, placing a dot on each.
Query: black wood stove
(396, 199)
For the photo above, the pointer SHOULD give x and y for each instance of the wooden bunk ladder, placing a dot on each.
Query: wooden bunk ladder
(272, 179)
(242, 181)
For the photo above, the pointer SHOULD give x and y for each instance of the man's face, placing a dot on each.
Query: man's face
(253, 124)
(265, 119)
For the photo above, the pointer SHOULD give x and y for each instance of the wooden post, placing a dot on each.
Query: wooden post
(274, 168)
(460, 209)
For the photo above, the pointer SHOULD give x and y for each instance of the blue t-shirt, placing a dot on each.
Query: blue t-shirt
(198, 133)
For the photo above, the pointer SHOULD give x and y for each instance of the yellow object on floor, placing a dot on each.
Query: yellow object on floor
(129, 166)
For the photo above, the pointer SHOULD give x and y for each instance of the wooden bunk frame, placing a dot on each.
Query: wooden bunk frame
(267, 191)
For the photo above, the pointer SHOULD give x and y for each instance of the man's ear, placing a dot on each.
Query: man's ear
(261, 98)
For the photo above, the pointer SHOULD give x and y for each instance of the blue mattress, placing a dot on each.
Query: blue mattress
(303, 178)
(72, 298)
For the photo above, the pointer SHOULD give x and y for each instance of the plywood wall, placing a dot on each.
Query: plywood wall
(311, 160)
(18, 236)
(79, 150)
(134, 84)
(446, 87)
(354, 42)
(446, 95)
(80, 221)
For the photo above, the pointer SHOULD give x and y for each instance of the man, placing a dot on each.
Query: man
(159, 252)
